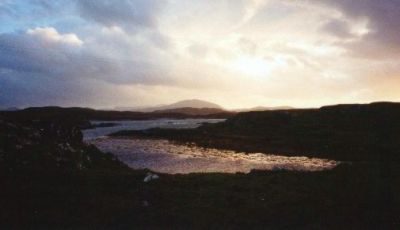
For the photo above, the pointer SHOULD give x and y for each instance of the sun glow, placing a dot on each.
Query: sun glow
(255, 67)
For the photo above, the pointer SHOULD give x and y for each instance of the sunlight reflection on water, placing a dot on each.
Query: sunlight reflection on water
(166, 157)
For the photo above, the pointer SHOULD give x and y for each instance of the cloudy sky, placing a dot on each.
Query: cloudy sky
(237, 53)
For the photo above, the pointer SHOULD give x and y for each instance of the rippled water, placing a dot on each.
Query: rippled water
(166, 157)
(91, 134)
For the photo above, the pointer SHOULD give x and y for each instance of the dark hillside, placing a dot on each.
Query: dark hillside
(84, 114)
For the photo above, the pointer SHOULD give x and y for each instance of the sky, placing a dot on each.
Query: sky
(236, 53)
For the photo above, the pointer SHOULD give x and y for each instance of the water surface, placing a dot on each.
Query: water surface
(166, 157)
(90, 134)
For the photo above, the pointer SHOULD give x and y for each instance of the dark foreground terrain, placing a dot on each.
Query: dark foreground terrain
(50, 179)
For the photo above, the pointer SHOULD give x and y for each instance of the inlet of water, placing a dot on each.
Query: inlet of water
(167, 157)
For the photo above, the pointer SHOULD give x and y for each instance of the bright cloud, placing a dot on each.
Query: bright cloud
(50, 34)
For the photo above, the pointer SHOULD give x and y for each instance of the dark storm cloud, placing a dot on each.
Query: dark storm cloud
(47, 67)
(34, 89)
(383, 39)
(25, 52)
(338, 28)
(34, 9)
(133, 16)
(128, 14)
(33, 72)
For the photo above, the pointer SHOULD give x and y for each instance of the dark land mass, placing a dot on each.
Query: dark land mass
(50, 179)
(90, 125)
(264, 108)
(83, 115)
(342, 132)
(9, 109)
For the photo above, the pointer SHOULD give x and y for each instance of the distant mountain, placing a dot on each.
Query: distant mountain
(132, 108)
(264, 108)
(194, 103)
(197, 107)
(193, 111)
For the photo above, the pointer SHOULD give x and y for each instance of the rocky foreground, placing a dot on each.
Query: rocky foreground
(50, 179)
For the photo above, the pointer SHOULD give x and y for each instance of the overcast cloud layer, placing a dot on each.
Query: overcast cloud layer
(238, 53)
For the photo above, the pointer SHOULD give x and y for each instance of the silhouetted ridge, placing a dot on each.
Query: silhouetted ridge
(85, 114)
